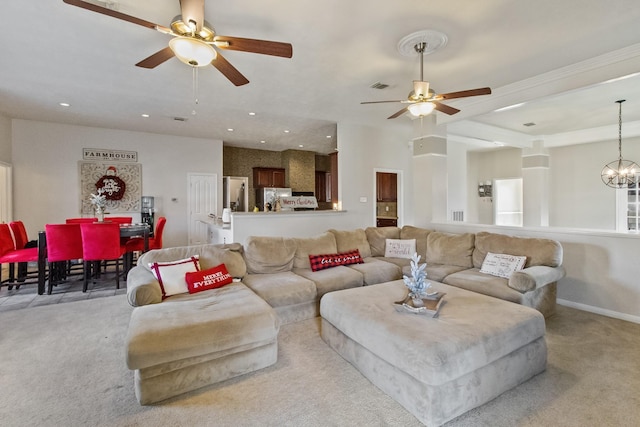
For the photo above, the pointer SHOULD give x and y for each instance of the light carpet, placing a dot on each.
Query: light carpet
(63, 365)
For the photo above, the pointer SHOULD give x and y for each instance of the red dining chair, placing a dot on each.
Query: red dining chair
(81, 220)
(10, 255)
(100, 242)
(119, 219)
(64, 244)
(21, 241)
(155, 242)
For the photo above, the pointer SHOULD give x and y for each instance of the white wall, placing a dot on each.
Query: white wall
(46, 182)
(361, 149)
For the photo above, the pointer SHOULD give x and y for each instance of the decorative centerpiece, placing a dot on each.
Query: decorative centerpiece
(418, 300)
(99, 202)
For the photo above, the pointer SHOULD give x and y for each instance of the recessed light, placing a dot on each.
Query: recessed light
(252, 114)
(300, 145)
(230, 129)
(65, 104)
(286, 131)
(145, 115)
(328, 136)
(263, 141)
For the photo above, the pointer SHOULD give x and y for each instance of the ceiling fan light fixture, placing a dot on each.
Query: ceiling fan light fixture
(420, 109)
(193, 52)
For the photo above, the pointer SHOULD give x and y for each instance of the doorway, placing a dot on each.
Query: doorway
(5, 193)
(507, 202)
(203, 196)
(387, 189)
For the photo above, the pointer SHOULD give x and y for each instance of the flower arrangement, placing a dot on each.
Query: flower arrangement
(99, 202)
(417, 284)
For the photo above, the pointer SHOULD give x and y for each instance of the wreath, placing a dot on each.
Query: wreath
(111, 186)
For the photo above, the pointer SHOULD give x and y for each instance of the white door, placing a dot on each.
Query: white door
(5, 193)
(202, 202)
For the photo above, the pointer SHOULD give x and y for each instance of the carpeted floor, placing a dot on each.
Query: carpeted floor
(63, 365)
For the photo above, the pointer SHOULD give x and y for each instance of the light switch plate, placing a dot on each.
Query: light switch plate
(363, 200)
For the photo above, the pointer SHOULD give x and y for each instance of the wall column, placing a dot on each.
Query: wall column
(429, 172)
(535, 185)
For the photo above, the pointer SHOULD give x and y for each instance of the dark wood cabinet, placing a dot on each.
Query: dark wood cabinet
(321, 186)
(386, 222)
(334, 177)
(386, 187)
(268, 177)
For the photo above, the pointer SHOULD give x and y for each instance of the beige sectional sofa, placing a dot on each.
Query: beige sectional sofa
(278, 286)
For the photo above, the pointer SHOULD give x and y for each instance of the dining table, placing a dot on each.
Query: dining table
(126, 231)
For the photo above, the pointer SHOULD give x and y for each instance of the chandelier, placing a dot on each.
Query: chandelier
(620, 173)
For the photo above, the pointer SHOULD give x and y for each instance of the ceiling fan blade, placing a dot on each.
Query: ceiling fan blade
(115, 14)
(264, 47)
(465, 93)
(445, 108)
(379, 102)
(399, 113)
(157, 58)
(229, 71)
(192, 10)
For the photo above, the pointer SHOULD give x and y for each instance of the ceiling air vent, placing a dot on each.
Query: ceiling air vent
(180, 119)
(378, 85)
(528, 124)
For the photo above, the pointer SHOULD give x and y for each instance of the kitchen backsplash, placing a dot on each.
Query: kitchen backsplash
(389, 209)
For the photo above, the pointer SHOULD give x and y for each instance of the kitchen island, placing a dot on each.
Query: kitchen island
(283, 223)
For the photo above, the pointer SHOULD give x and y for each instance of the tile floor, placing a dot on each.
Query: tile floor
(27, 295)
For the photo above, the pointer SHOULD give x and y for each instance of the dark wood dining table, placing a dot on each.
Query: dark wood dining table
(126, 230)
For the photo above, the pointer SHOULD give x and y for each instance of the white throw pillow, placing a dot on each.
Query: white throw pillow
(399, 248)
(502, 265)
(171, 275)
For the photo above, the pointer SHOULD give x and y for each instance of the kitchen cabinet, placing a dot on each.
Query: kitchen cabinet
(268, 177)
(386, 222)
(321, 186)
(334, 177)
(386, 187)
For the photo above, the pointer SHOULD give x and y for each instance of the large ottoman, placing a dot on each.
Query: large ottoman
(190, 341)
(437, 368)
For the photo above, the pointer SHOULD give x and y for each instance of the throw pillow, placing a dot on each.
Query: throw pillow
(502, 265)
(397, 248)
(170, 275)
(320, 262)
(215, 277)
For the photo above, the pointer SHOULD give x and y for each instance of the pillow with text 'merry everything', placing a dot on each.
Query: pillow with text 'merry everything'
(502, 265)
(171, 274)
(399, 248)
(212, 278)
(320, 262)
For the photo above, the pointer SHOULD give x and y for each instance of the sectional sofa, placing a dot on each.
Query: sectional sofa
(187, 341)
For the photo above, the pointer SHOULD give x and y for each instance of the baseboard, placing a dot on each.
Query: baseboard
(598, 310)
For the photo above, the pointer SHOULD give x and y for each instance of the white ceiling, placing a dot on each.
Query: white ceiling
(53, 52)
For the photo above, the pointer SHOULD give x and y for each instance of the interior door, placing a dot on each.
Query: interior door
(202, 202)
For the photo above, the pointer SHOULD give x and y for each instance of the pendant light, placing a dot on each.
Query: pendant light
(620, 173)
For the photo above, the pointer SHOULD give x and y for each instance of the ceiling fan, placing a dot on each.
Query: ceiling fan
(423, 100)
(194, 40)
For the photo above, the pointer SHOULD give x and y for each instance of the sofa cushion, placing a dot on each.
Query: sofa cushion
(352, 239)
(438, 272)
(377, 271)
(332, 279)
(171, 274)
(451, 249)
(266, 255)
(472, 280)
(212, 278)
(324, 261)
(420, 234)
(281, 289)
(210, 255)
(538, 251)
(177, 329)
(377, 236)
(322, 244)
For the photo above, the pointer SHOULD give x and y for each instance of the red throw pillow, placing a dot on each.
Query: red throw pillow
(320, 262)
(215, 277)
